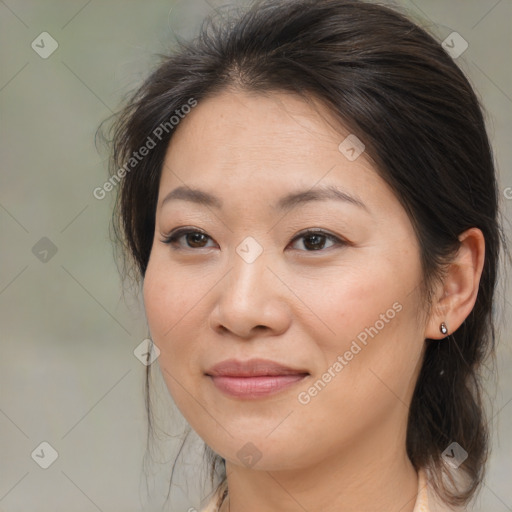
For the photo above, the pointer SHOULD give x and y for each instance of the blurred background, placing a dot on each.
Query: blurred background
(72, 417)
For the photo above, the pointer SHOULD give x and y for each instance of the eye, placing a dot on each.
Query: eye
(314, 240)
(194, 238)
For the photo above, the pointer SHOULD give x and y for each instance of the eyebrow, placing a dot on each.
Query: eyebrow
(288, 202)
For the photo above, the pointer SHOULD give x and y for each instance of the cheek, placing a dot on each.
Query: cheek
(168, 312)
(349, 302)
(169, 299)
(370, 316)
(174, 302)
(157, 301)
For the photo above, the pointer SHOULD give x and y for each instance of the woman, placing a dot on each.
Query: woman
(312, 208)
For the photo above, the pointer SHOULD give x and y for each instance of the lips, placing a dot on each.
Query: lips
(255, 378)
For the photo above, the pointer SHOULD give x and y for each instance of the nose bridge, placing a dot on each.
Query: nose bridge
(248, 277)
(249, 297)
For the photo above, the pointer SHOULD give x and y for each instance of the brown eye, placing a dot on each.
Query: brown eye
(316, 240)
(194, 239)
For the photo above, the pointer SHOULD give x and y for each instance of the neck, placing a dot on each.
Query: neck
(370, 476)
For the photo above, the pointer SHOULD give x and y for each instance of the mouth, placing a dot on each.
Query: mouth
(256, 378)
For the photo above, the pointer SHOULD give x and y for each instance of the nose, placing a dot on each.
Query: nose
(252, 300)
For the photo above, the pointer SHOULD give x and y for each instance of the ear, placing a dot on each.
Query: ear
(457, 294)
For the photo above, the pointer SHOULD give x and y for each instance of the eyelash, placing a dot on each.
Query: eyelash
(173, 237)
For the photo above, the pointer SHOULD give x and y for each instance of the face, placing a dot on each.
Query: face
(324, 287)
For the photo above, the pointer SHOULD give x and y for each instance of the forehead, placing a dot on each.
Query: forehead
(237, 141)
(248, 119)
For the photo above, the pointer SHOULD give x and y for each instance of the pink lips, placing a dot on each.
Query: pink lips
(255, 378)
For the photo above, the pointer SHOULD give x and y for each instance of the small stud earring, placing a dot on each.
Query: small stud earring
(443, 328)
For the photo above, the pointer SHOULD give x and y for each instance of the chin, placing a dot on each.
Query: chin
(257, 452)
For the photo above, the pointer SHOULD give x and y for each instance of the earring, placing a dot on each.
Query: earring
(443, 328)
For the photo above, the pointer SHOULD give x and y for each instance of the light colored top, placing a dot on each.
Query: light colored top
(425, 501)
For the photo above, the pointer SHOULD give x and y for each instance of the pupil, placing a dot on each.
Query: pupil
(195, 238)
(316, 240)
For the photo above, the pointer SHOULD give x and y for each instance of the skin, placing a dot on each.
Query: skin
(345, 449)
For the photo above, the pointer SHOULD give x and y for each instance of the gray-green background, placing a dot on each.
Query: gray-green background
(68, 374)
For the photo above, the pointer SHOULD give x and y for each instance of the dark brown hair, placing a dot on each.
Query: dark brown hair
(392, 84)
